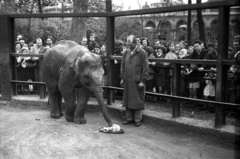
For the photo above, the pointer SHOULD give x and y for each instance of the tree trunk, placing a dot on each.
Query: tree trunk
(78, 29)
(200, 23)
(30, 22)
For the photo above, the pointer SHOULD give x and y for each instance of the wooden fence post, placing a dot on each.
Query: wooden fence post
(176, 90)
(223, 26)
(110, 48)
(5, 50)
(41, 87)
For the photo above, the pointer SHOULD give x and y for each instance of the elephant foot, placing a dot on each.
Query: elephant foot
(69, 118)
(55, 115)
(80, 120)
(61, 114)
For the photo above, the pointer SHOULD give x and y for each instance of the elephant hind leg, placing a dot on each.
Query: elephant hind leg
(83, 96)
(60, 104)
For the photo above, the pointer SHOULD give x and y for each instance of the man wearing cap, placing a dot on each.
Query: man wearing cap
(134, 73)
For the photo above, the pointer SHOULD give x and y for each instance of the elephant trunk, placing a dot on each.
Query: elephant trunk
(98, 92)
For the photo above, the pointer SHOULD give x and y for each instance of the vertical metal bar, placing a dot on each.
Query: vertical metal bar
(223, 26)
(110, 48)
(176, 90)
(189, 24)
(5, 50)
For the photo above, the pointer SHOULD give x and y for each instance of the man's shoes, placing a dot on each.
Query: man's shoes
(126, 122)
(137, 124)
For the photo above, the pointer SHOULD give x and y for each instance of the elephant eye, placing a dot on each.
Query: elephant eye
(86, 76)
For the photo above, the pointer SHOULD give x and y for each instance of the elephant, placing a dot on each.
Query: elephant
(67, 66)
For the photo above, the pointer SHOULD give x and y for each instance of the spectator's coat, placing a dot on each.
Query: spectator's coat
(134, 69)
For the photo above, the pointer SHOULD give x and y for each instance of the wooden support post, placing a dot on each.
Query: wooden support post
(5, 50)
(110, 48)
(176, 90)
(223, 26)
(13, 59)
(41, 87)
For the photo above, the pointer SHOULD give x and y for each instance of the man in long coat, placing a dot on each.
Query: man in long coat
(134, 73)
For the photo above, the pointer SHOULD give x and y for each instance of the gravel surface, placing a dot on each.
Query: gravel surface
(28, 132)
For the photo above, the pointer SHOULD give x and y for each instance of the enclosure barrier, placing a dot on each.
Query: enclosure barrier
(7, 47)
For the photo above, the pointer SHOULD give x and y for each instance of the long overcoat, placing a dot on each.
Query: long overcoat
(134, 69)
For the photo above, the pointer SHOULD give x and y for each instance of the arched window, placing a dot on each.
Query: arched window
(181, 29)
(150, 24)
(164, 29)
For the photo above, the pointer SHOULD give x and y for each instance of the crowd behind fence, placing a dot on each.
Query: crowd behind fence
(194, 83)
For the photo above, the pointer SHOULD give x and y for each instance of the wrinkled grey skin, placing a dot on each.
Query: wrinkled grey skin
(65, 67)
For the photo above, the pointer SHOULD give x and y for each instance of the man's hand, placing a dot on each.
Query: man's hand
(122, 83)
(153, 63)
(141, 85)
(200, 69)
(213, 69)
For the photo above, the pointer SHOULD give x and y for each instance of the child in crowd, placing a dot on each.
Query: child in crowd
(171, 54)
(209, 89)
(182, 54)
(189, 51)
(193, 83)
(97, 50)
(177, 49)
(162, 72)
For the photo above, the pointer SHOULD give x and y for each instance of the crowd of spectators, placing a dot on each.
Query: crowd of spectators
(198, 81)
(27, 68)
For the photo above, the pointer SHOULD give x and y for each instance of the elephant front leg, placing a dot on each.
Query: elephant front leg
(83, 96)
(70, 107)
(66, 86)
(54, 104)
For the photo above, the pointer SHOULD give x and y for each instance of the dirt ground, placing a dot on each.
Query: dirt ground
(28, 132)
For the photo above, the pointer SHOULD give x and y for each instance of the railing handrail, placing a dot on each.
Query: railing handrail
(26, 55)
(174, 61)
(179, 97)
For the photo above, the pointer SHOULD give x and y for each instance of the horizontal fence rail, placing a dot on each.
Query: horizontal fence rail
(178, 97)
(26, 82)
(172, 61)
(26, 55)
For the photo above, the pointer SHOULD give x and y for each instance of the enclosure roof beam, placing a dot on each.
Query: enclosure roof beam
(59, 15)
(177, 8)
